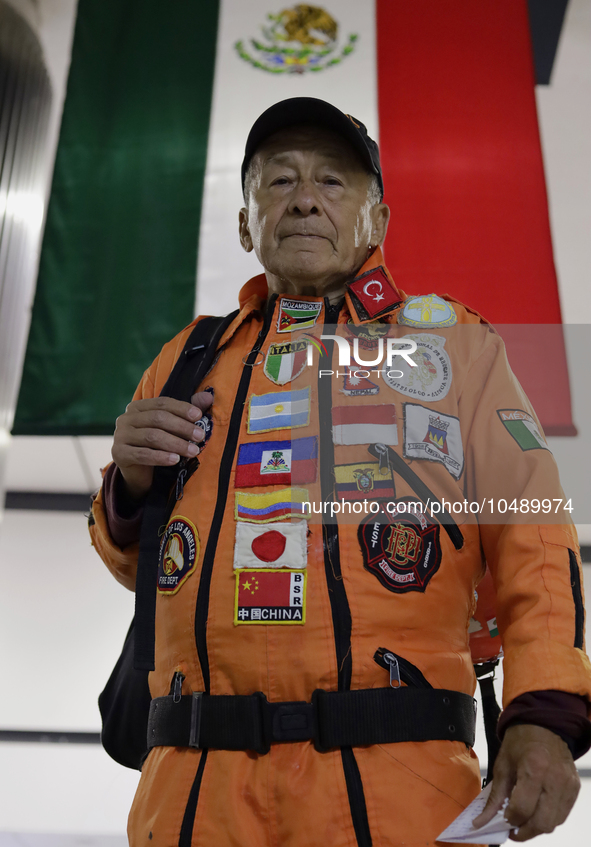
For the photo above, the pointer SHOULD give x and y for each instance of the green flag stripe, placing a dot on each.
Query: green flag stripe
(117, 271)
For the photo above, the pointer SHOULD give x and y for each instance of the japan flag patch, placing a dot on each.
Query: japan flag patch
(281, 545)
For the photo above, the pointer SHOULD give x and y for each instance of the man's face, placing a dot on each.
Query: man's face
(309, 219)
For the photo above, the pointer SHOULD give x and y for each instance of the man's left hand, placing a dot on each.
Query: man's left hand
(536, 770)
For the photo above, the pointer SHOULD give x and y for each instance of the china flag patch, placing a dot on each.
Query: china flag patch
(270, 597)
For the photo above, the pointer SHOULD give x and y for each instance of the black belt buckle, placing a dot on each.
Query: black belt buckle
(292, 721)
(285, 722)
(195, 724)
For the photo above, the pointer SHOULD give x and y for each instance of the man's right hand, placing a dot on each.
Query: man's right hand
(156, 432)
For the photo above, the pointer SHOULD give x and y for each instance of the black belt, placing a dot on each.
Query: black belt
(332, 719)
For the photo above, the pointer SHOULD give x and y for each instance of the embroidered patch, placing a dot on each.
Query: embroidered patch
(270, 597)
(356, 384)
(433, 436)
(373, 295)
(429, 310)
(179, 551)
(432, 377)
(360, 480)
(275, 506)
(368, 335)
(523, 428)
(279, 410)
(285, 361)
(297, 314)
(402, 549)
(277, 462)
(364, 425)
(281, 545)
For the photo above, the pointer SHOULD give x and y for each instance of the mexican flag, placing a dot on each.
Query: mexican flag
(141, 231)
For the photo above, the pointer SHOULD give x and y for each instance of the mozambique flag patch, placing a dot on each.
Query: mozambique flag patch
(297, 314)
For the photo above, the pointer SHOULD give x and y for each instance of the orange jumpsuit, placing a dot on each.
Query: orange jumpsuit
(457, 422)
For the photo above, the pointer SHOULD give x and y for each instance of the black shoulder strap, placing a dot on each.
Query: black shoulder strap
(188, 372)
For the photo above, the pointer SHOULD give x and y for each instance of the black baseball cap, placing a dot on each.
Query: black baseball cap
(311, 110)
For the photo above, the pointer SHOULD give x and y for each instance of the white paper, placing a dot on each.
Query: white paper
(461, 830)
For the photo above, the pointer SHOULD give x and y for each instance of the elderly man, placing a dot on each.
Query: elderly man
(263, 609)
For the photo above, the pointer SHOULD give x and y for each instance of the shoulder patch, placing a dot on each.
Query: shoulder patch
(179, 551)
(426, 311)
(523, 428)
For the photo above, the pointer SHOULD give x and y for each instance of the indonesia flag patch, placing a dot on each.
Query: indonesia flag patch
(277, 462)
(281, 545)
(364, 425)
(270, 597)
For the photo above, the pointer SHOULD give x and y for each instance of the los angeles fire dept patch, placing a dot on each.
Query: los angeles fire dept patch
(179, 551)
(401, 549)
(270, 597)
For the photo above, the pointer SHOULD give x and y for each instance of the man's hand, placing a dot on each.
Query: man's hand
(156, 432)
(536, 770)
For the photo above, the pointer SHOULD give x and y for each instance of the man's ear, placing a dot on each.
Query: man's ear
(380, 215)
(243, 230)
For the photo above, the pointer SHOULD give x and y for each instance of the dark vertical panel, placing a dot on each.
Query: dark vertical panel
(545, 21)
(117, 274)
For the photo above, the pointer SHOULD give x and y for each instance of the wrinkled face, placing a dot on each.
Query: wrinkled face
(309, 219)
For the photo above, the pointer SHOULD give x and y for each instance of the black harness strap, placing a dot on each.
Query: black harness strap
(188, 372)
(485, 673)
(423, 491)
(333, 719)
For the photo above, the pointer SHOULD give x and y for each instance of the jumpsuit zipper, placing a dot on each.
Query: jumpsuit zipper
(202, 609)
(341, 613)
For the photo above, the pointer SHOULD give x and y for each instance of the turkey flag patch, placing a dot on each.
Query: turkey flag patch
(401, 549)
(373, 295)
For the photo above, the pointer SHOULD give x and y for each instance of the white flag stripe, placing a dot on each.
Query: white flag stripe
(240, 93)
(365, 434)
(258, 413)
(286, 368)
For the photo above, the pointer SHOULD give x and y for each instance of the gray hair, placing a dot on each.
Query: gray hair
(373, 187)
